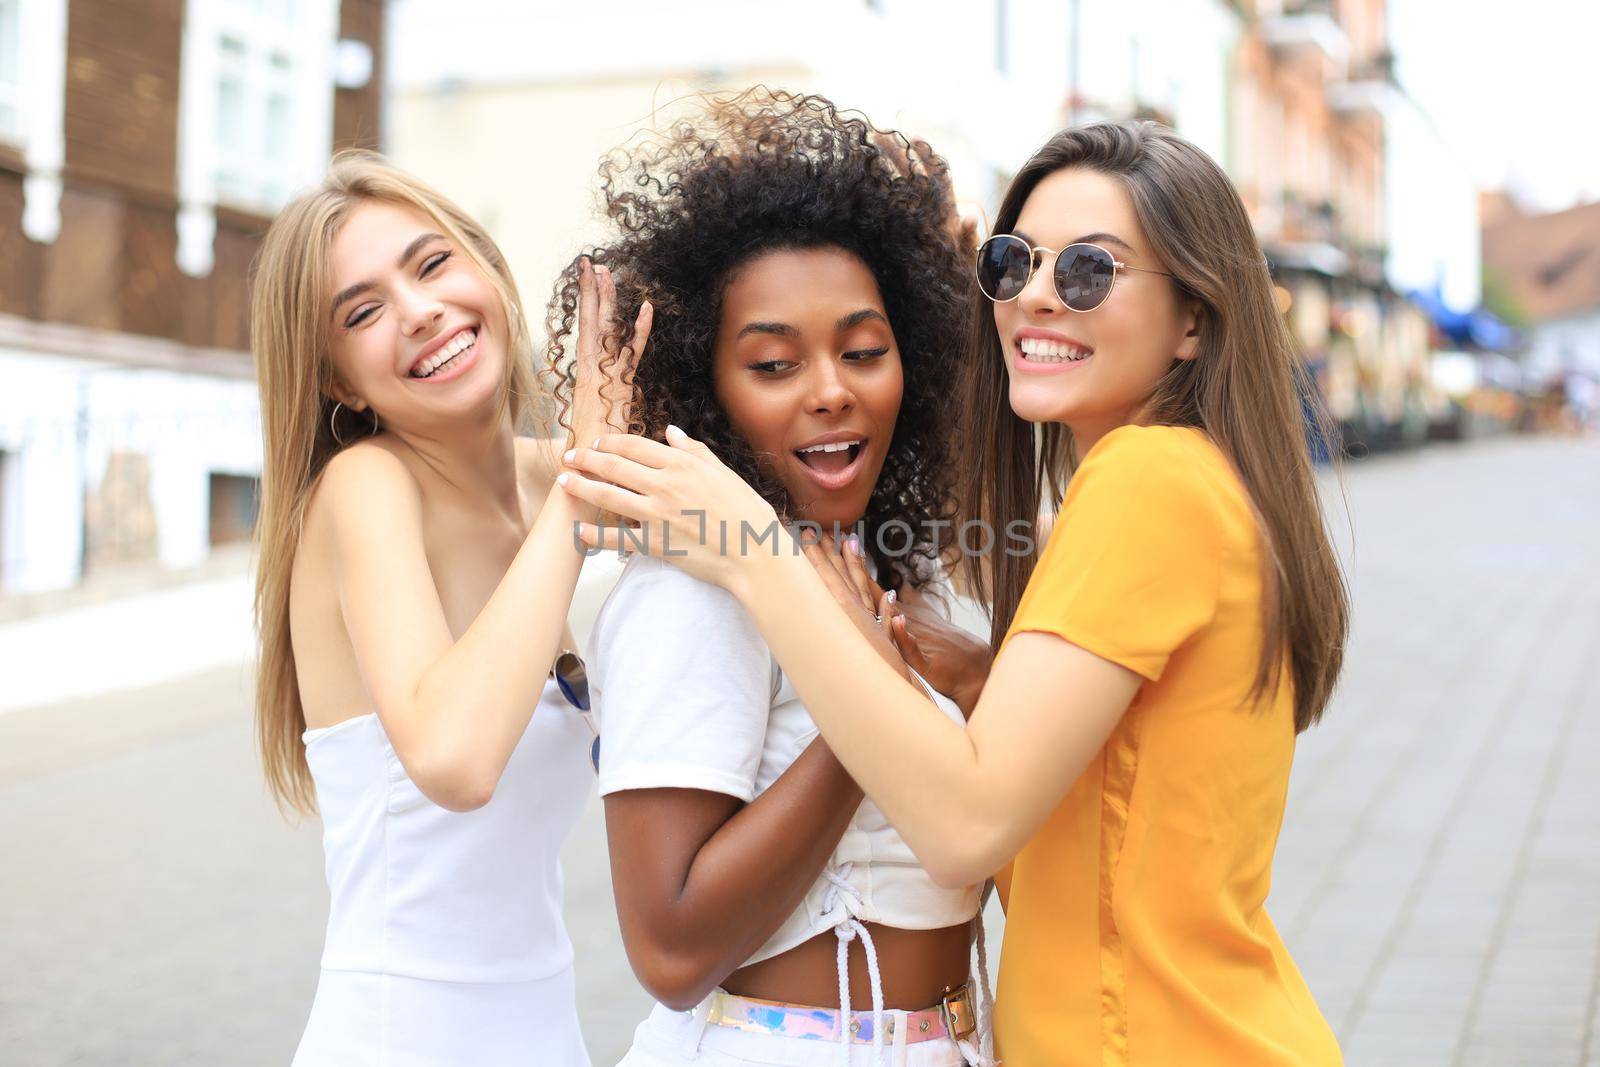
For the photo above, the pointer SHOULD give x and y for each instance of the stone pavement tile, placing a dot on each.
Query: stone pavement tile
(1414, 1042)
(1529, 1034)
(1396, 1021)
(1499, 1056)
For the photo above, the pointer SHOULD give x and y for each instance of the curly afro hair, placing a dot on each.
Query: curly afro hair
(765, 171)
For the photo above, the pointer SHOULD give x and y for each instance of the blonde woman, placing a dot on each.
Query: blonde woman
(416, 571)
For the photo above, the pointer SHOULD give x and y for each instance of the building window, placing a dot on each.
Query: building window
(256, 110)
(235, 502)
(36, 74)
(256, 104)
(10, 69)
(1002, 36)
(6, 564)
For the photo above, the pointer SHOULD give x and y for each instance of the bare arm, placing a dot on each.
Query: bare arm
(454, 709)
(703, 880)
(965, 800)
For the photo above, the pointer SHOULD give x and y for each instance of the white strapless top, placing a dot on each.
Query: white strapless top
(423, 892)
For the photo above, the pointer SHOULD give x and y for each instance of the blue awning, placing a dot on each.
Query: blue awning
(1477, 328)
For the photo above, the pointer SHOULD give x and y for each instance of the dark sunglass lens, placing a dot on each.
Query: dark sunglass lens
(573, 680)
(1083, 276)
(1003, 263)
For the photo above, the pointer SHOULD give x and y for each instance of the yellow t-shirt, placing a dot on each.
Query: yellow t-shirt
(1136, 931)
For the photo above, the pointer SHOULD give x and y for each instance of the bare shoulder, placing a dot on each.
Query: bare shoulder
(538, 462)
(367, 475)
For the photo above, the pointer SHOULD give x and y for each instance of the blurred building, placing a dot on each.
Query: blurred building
(1169, 62)
(1548, 266)
(512, 124)
(143, 150)
(1309, 159)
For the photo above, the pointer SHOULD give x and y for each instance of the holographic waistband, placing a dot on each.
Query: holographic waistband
(954, 1018)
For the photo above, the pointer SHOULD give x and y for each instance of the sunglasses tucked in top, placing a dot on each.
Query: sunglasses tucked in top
(1083, 276)
(572, 678)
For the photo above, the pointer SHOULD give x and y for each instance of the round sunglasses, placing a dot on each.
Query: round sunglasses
(1083, 276)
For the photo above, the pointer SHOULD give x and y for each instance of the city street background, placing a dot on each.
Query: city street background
(1419, 184)
(1436, 876)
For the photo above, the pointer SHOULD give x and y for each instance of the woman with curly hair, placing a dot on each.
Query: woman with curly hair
(807, 290)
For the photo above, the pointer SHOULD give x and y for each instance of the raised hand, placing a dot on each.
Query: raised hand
(605, 367)
(690, 508)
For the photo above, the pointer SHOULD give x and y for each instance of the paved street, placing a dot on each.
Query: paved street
(1438, 875)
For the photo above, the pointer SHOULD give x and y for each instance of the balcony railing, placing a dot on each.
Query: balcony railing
(1367, 90)
(1308, 27)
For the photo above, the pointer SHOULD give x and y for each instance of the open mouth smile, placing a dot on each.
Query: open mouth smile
(1049, 355)
(452, 356)
(834, 464)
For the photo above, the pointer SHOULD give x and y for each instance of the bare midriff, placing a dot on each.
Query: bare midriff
(917, 967)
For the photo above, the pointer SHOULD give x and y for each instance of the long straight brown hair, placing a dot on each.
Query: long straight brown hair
(302, 428)
(1247, 389)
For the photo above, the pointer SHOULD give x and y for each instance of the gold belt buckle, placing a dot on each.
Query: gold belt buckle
(955, 1008)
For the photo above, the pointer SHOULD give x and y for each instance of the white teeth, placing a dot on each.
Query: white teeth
(459, 344)
(839, 446)
(1044, 350)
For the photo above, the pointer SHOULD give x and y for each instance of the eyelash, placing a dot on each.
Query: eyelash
(860, 355)
(429, 265)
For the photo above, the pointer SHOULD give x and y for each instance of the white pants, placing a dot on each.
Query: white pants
(667, 1038)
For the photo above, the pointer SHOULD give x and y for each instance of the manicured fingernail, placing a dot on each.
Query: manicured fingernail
(561, 479)
(596, 443)
(675, 434)
(855, 544)
(570, 455)
(892, 597)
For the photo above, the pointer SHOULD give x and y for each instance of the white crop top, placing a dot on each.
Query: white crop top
(688, 695)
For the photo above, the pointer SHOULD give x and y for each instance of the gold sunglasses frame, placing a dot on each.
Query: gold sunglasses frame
(1116, 266)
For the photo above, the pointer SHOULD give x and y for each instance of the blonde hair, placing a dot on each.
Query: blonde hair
(290, 331)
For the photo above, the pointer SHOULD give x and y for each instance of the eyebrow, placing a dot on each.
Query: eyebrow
(358, 288)
(856, 318)
(1089, 238)
(783, 329)
(780, 329)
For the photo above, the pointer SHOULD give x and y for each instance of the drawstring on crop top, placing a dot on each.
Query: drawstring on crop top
(841, 893)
